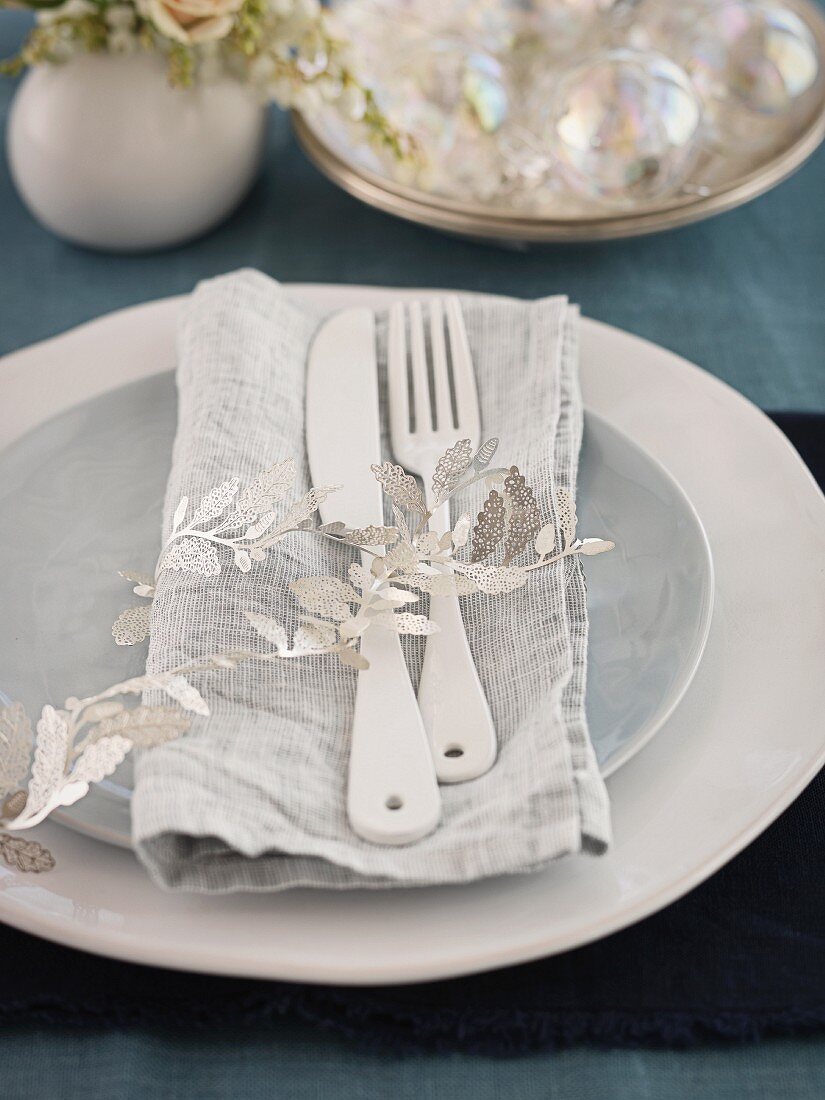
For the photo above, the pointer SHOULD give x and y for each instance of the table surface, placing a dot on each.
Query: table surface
(741, 295)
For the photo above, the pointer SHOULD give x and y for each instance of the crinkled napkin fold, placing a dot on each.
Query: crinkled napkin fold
(253, 797)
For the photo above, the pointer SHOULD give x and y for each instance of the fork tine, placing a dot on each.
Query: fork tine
(443, 402)
(464, 380)
(421, 384)
(397, 381)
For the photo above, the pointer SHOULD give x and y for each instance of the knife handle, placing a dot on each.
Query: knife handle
(453, 705)
(393, 795)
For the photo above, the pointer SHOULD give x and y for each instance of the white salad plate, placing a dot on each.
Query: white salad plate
(742, 743)
(97, 473)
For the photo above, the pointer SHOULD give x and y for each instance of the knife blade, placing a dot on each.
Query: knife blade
(392, 793)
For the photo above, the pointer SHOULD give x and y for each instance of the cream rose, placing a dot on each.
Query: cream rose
(192, 21)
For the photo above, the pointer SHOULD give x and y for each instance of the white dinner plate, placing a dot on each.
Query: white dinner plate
(740, 746)
(96, 475)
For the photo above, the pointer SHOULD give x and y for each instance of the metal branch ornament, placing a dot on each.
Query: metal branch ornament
(406, 559)
(85, 740)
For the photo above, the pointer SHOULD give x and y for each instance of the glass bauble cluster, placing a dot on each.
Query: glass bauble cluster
(606, 103)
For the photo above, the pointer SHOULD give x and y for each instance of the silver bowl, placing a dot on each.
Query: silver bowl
(718, 182)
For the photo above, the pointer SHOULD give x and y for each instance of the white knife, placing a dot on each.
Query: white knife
(392, 795)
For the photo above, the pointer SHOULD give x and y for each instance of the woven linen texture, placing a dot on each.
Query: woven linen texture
(253, 798)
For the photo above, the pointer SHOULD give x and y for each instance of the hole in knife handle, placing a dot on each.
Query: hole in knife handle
(394, 802)
(454, 751)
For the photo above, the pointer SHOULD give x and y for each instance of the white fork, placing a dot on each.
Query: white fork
(452, 701)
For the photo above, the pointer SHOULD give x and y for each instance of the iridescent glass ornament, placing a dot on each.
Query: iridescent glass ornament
(453, 100)
(434, 80)
(577, 102)
(752, 54)
(480, 24)
(624, 127)
(563, 26)
(663, 25)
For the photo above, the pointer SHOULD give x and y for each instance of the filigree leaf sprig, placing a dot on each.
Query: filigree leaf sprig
(25, 855)
(568, 544)
(418, 560)
(401, 562)
(193, 546)
(132, 624)
(16, 740)
(510, 519)
(86, 739)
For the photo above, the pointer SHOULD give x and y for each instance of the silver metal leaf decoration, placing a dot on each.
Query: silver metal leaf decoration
(27, 856)
(216, 501)
(16, 737)
(591, 547)
(546, 540)
(401, 524)
(13, 806)
(267, 489)
(269, 629)
(373, 536)
(489, 528)
(261, 525)
(400, 487)
(314, 637)
(429, 543)
(98, 711)
(305, 507)
(353, 658)
(326, 596)
(100, 759)
(401, 556)
(484, 455)
(192, 555)
(134, 686)
(441, 584)
(180, 512)
(523, 520)
(132, 625)
(145, 726)
(461, 531)
(494, 580)
(359, 576)
(50, 754)
(242, 558)
(405, 622)
(393, 597)
(451, 466)
(355, 625)
(185, 695)
(566, 514)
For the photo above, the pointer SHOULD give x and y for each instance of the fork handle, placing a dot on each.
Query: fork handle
(453, 704)
(392, 795)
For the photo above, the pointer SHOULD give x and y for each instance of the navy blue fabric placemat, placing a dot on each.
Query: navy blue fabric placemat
(739, 958)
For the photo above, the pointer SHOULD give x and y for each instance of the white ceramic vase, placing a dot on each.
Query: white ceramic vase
(106, 154)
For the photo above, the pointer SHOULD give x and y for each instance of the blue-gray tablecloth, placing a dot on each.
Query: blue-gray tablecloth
(742, 295)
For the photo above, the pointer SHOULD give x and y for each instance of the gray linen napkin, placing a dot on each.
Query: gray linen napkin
(253, 797)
